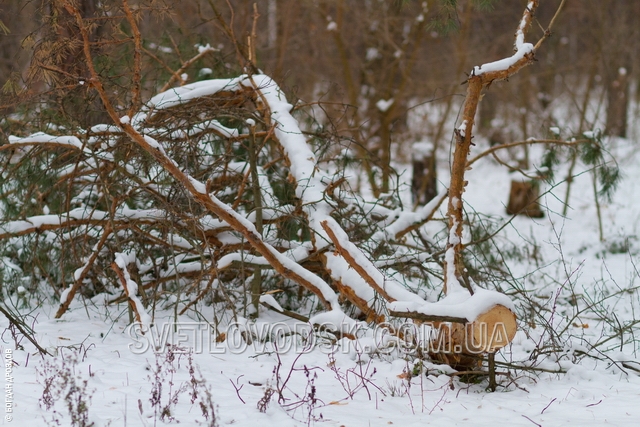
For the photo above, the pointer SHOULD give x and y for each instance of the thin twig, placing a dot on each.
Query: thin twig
(21, 327)
(547, 32)
(539, 425)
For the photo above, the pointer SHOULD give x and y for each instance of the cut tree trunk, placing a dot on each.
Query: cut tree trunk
(460, 345)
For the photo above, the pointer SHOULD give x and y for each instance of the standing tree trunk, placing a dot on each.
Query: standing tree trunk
(424, 178)
(617, 105)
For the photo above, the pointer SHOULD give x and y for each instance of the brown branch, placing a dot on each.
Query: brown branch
(19, 324)
(366, 307)
(176, 75)
(547, 32)
(399, 235)
(201, 294)
(427, 317)
(457, 184)
(123, 280)
(224, 213)
(519, 143)
(288, 313)
(379, 288)
(94, 80)
(243, 57)
(253, 37)
(64, 305)
(463, 142)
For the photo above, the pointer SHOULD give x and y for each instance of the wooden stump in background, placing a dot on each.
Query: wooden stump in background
(523, 199)
(424, 183)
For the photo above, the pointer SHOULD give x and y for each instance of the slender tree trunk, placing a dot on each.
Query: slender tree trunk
(617, 103)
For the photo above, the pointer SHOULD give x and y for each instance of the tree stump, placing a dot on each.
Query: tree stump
(523, 199)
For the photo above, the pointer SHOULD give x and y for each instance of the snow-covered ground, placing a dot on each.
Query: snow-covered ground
(120, 386)
(342, 385)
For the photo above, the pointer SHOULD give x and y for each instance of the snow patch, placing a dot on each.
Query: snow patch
(384, 104)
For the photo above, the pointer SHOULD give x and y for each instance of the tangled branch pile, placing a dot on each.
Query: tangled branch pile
(211, 192)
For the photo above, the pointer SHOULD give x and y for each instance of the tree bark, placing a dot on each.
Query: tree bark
(617, 105)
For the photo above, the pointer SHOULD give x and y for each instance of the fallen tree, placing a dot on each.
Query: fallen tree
(211, 186)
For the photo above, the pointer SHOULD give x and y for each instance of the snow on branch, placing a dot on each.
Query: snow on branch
(77, 217)
(135, 129)
(407, 221)
(310, 182)
(311, 185)
(388, 288)
(285, 266)
(524, 24)
(80, 274)
(46, 139)
(122, 260)
(504, 64)
(459, 307)
(184, 94)
(351, 284)
(523, 55)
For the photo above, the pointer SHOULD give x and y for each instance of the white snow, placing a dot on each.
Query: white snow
(43, 138)
(404, 219)
(123, 260)
(458, 304)
(372, 53)
(503, 64)
(205, 48)
(519, 41)
(462, 129)
(270, 300)
(183, 94)
(384, 104)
